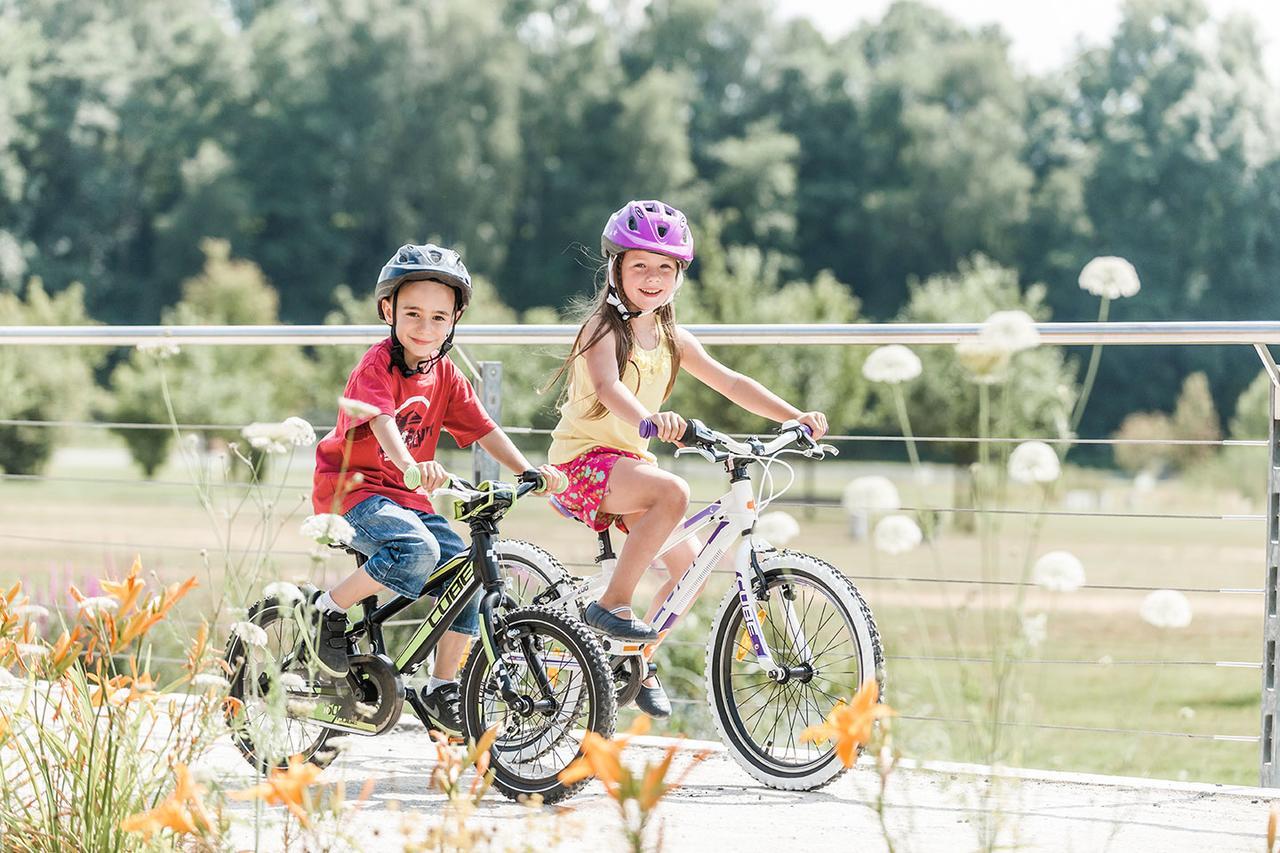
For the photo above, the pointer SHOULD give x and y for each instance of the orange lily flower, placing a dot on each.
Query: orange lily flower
(183, 811)
(126, 591)
(602, 758)
(850, 725)
(285, 787)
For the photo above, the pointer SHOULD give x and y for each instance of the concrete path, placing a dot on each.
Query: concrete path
(931, 807)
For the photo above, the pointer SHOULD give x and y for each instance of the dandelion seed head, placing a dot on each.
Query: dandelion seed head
(158, 348)
(1035, 629)
(1058, 571)
(1110, 277)
(985, 362)
(777, 528)
(1166, 608)
(897, 534)
(891, 364)
(872, 493)
(1034, 462)
(1013, 331)
(98, 605)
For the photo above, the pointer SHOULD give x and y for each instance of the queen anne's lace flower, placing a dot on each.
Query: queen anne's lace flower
(1013, 331)
(1166, 608)
(777, 528)
(209, 680)
(897, 534)
(1110, 277)
(328, 529)
(31, 611)
(279, 437)
(159, 348)
(250, 633)
(97, 605)
(1035, 629)
(1058, 571)
(283, 591)
(892, 364)
(872, 494)
(984, 360)
(356, 409)
(1034, 462)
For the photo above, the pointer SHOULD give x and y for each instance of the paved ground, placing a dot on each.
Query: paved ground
(936, 807)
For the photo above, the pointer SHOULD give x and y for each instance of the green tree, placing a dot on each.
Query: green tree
(232, 385)
(42, 383)
(1253, 416)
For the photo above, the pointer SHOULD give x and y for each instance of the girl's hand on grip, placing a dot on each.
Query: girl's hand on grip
(670, 426)
(815, 421)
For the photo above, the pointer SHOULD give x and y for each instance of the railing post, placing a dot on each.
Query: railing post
(490, 374)
(1269, 776)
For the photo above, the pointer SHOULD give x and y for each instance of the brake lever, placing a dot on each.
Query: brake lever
(701, 451)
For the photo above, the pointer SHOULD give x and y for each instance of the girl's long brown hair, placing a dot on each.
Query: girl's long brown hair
(623, 339)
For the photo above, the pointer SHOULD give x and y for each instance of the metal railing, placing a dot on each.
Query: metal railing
(1255, 334)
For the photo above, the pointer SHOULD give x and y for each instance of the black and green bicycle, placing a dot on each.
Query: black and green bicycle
(537, 673)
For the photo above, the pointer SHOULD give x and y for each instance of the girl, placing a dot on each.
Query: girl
(621, 369)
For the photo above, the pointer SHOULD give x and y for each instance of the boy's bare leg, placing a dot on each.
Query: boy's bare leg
(357, 586)
(449, 653)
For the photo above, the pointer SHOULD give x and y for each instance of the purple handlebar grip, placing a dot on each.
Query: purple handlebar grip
(807, 430)
(648, 429)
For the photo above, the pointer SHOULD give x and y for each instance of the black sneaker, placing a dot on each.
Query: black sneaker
(444, 706)
(330, 641)
(654, 702)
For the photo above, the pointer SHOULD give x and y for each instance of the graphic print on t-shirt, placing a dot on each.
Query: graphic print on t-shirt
(411, 421)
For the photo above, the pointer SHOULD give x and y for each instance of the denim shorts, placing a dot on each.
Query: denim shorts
(404, 546)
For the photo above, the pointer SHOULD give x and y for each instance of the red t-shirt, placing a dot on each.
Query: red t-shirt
(422, 406)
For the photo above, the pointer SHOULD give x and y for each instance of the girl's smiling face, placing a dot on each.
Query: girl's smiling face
(648, 278)
(424, 317)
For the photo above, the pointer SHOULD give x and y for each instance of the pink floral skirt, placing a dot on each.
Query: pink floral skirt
(588, 484)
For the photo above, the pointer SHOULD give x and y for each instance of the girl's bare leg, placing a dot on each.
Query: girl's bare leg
(653, 502)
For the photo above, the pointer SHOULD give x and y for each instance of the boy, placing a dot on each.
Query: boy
(405, 392)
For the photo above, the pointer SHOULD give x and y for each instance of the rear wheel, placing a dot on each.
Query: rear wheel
(564, 689)
(258, 703)
(814, 621)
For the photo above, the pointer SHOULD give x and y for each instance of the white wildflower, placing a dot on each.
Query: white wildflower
(1014, 331)
(872, 493)
(31, 651)
(897, 534)
(777, 528)
(356, 409)
(210, 681)
(1106, 660)
(985, 360)
(1059, 571)
(1035, 629)
(1187, 713)
(250, 633)
(328, 529)
(1166, 608)
(1110, 277)
(300, 707)
(1034, 462)
(279, 437)
(283, 592)
(98, 605)
(31, 611)
(892, 364)
(159, 348)
(292, 681)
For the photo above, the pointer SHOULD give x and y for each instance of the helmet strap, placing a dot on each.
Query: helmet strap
(425, 366)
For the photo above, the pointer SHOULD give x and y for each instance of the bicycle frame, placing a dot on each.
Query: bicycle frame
(734, 515)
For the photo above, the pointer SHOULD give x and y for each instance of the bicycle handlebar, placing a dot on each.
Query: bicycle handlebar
(698, 436)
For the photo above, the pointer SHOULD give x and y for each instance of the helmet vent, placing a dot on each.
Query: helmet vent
(662, 231)
(631, 223)
(671, 211)
(436, 257)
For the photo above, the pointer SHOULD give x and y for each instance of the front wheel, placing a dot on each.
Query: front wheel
(814, 621)
(563, 688)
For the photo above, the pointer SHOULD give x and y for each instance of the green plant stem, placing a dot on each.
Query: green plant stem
(1091, 373)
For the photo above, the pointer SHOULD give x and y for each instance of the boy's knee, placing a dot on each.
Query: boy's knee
(420, 555)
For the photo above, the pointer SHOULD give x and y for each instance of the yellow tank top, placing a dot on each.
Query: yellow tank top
(646, 374)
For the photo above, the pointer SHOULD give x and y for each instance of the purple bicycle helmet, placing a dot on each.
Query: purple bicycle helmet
(652, 226)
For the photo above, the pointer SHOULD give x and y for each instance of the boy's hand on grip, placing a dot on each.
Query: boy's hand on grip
(553, 480)
(428, 476)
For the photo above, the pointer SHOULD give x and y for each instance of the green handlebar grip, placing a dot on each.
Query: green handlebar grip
(412, 477)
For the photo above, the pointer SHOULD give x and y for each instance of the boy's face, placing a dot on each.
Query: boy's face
(648, 278)
(424, 317)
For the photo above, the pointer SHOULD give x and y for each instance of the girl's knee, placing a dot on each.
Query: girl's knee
(677, 494)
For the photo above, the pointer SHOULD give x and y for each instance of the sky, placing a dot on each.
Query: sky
(1042, 35)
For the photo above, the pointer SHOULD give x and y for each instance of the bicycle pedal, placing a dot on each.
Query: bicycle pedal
(616, 646)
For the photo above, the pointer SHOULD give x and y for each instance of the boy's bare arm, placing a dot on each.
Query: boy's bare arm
(388, 435)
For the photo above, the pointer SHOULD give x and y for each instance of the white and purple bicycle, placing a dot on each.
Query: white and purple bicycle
(792, 637)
